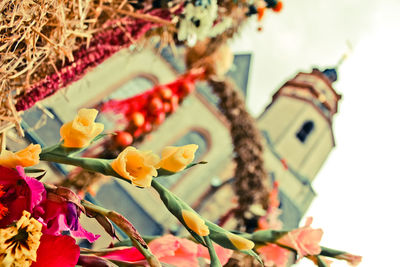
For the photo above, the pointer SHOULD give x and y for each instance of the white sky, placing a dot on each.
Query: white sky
(358, 187)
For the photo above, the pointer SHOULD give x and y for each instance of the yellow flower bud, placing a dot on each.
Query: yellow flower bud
(136, 166)
(81, 131)
(195, 223)
(175, 159)
(26, 157)
(239, 242)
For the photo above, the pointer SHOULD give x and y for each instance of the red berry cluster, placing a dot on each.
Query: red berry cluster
(102, 46)
(148, 110)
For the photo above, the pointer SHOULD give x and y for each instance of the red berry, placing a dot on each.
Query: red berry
(167, 107)
(156, 104)
(137, 133)
(138, 119)
(124, 138)
(165, 92)
(160, 118)
(147, 127)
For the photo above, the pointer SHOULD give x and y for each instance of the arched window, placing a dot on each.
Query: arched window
(305, 131)
(191, 137)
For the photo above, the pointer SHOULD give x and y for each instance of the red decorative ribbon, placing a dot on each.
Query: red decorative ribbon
(101, 47)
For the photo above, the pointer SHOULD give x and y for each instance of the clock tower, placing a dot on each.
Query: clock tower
(297, 127)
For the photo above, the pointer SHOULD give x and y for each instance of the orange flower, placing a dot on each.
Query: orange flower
(175, 159)
(26, 157)
(195, 223)
(81, 131)
(304, 240)
(136, 166)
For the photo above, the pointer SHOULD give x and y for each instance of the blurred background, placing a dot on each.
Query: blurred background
(330, 142)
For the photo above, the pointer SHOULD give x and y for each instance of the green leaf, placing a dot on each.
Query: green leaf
(162, 172)
(175, 205)
(33, 170)
(330, 252)
(265, 236)
(220, 236)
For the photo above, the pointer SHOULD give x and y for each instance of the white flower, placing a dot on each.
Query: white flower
(197, 21)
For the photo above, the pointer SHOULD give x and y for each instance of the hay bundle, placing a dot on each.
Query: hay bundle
(37, 38)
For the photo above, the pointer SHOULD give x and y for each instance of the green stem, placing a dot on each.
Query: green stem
(213, 256)
(90, 164)
(151, 259)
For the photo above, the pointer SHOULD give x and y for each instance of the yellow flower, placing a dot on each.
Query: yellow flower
(195, 223)
(26, 157)
(79, 132)
(136, 166)
(19, 243)
(239, 242)
(175, 159)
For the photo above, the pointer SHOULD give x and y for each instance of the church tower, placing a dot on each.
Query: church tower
(297, 127)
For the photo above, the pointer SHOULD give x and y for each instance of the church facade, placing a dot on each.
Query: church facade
(297, 127)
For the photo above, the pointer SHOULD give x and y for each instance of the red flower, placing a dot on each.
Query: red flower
(60, 251)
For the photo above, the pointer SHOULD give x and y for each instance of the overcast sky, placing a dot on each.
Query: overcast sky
(358, 187)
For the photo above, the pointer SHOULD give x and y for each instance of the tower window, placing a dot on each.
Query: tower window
(305, 131)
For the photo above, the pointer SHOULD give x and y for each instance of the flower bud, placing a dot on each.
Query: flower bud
(239, 242)
(82, 130)
(175, 159)
(195, 223)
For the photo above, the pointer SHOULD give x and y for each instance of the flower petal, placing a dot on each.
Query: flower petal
(60, 251)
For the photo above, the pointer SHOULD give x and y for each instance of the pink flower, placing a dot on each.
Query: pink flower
(18, 192)
(181, 252)
(352, 260)
(274, 255)
(60, 251)
(304, 240)
(175, 251)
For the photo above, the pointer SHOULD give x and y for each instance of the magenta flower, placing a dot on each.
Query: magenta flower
(18, 192)
(59, 215)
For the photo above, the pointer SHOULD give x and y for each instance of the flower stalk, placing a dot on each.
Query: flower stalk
(127, 227)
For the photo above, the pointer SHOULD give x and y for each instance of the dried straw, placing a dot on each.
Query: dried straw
(33, 32)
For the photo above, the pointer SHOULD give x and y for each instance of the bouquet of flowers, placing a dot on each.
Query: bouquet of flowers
(40, 221)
